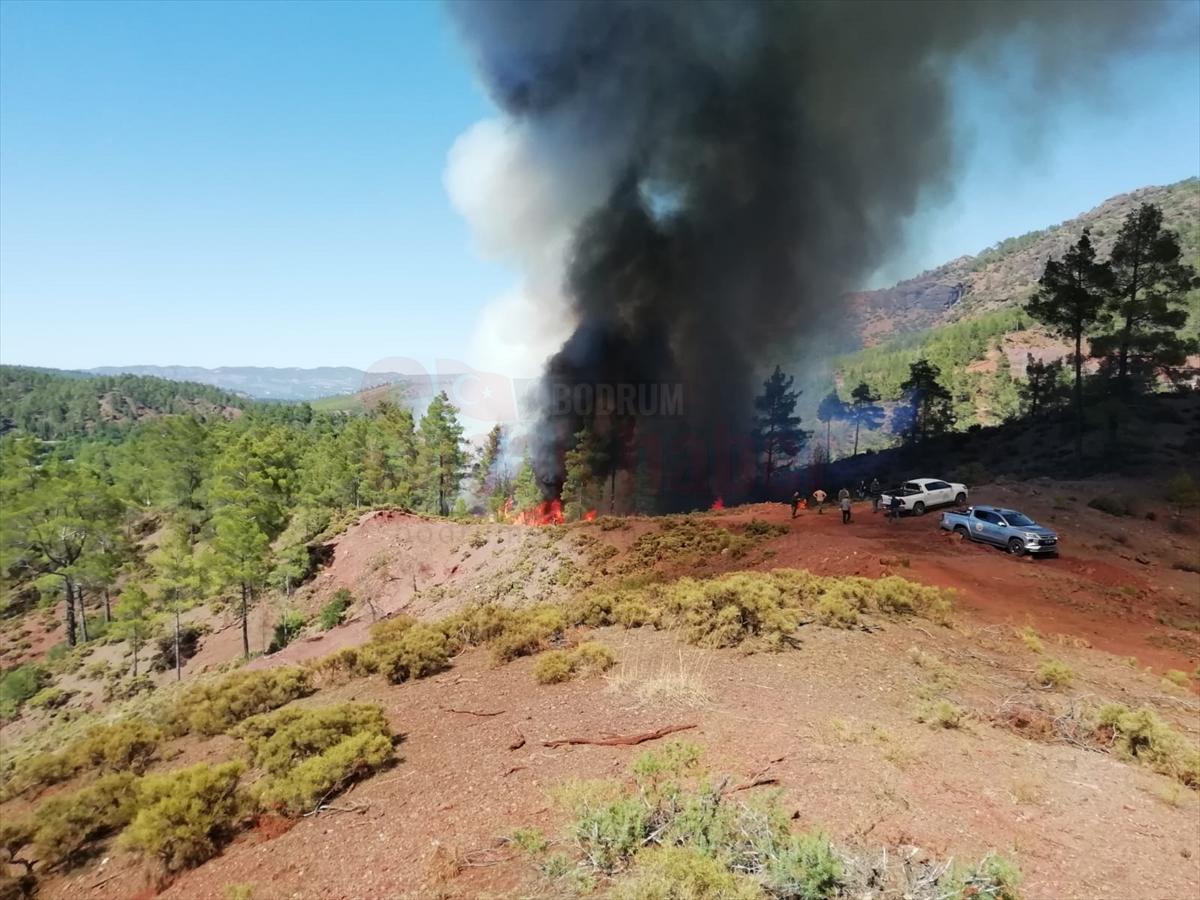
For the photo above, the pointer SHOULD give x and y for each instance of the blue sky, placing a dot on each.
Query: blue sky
(240, 184)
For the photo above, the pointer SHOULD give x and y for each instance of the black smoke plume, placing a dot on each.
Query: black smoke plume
(761, 158)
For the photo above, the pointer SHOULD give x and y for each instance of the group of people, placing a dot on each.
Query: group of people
(844, 502)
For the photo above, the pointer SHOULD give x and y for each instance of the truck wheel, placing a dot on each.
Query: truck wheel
(960, 499)
(1015, 547)
(919, 508)
(962, 530)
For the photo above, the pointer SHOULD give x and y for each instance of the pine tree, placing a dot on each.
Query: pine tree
(180, 581)
(583, 465)
(485, 477)
(864, 411)
(777, 431)
(527, 492)
(442, 459)
(1069, 301)
(240, 560)
(830, 409)
(134, 619)
(930, 405)
(1146, 299)
(1042, 389)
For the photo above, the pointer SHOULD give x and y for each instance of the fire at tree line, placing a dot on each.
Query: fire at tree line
(240, 503)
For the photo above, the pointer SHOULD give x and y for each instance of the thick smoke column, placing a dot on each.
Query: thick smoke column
(744, 165)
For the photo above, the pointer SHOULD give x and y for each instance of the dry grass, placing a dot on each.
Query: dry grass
(680, 683)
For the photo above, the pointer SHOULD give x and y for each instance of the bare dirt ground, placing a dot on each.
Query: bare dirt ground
(834, 721)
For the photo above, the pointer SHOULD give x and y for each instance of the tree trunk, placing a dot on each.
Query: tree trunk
(1079, 402)
(133, 644)
(82, 614)
(857, 423)
(178, 662)
(107, 609)
(828, 430)
(245, 623)
(69, 588)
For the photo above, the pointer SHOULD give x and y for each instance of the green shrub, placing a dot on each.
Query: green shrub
(994, 878)
(589, 658)
(65, 825)
(333, 613)
(309, 783)
(941, 714)
(759, 529)
(418, 651)
(1177, 677)
(1140, 734)
(805, 867)
(216, 706)
(552, 667)
(1183, 490)
(50, 698)
(343, 665)
(310, 754)
(185, 817)
(286, 630)
(1054, 673)
(280, 739)
(163, 659)
(528, 632)
(529, 840)
(126, 745)
(18, 685)
(683, 873)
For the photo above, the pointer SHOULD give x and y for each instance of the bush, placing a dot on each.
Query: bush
(64, 825)
(994, 878)
(18, 685)
(309, 783)
(1140, 734)
(279, 740)
(1055, 674)
(941, 714)
(50, 698)
(418, 650)
(683, 873)
(590, 658)
(286, 630)
(1031, 639)
(552, 667)
(804, 866)
(757, 528)
(342, 665)
(216, 706)
(126, 745)
(334, 612)
(185, 817)
(1183, 490)
(528, 632)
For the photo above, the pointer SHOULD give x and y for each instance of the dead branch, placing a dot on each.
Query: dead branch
(472, 712)
(518, 742)
(359, 808)
(757, 782)
(511, 770)
(621, 740)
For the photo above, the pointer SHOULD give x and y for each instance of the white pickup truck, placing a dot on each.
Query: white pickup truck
(920, 494)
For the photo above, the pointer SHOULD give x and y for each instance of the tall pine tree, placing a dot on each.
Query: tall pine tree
(777, 431)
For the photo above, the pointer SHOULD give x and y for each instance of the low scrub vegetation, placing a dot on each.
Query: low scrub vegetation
(678, 834)
(311, 754)
(184, 817)
(1113, 504)
(216, 706)
(684, 537)
(589, 658)
(65, 825)
(18, 685)
(758, 610)
(1140, 734)
(128, 745)
(333, 613)
(1054, 673)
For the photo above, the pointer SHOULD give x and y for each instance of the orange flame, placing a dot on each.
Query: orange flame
(548, 512)
(718, 504)
(589, 516)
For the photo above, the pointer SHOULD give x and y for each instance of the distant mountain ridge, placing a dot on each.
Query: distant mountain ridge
(266, 382)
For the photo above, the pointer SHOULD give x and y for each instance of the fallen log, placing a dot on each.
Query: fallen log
(620, 740)
(471, 712)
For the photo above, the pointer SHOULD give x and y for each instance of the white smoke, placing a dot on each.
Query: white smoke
(523, 201)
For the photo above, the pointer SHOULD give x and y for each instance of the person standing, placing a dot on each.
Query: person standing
(845, 502)
(894, 509)
(819, 496)
(844, 494)
(874, 495)
(795, 503)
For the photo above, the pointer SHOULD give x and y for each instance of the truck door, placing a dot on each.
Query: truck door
(985, 526)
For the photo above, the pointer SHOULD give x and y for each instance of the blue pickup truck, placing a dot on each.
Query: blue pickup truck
(1006, 528)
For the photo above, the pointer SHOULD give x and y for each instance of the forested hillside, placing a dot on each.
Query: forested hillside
(55, 405)
(968, 317)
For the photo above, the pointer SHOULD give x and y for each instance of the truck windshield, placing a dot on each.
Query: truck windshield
(1020, 521)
